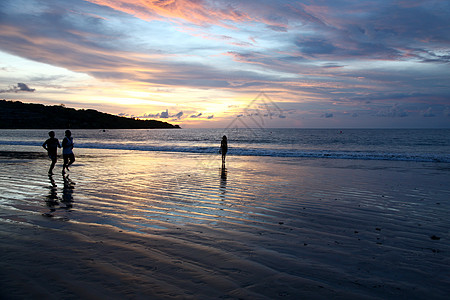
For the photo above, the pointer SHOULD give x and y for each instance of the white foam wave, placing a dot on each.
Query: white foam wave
(265, 151)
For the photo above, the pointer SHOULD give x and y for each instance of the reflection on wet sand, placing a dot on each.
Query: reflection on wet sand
(52, 198)
(53, 201)
(223, 181)
(67, 195)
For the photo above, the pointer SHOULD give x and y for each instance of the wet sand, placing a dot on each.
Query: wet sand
(148, 225)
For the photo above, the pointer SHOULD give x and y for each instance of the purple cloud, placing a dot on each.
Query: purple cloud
(178, 115)
(196, 115)
(20, 87)
(395, 111)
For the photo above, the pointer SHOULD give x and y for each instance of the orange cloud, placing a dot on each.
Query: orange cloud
(197, 12)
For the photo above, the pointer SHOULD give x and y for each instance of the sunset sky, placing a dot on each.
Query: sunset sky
(206, 63)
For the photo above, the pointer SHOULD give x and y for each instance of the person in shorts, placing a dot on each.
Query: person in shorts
(68, 155)
(52, 145)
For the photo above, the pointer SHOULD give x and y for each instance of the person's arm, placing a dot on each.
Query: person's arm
(44, 145)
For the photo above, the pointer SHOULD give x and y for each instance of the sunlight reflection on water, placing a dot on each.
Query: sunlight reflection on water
(134, 190)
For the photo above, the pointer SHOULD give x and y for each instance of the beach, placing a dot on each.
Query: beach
(126, 224)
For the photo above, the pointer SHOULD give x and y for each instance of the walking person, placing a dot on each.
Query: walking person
(224, 148)
(52, 145)
(68, 155)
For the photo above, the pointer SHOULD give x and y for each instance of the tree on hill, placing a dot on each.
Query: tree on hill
(18, 115)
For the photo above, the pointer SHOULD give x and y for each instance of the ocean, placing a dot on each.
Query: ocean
(420, 145)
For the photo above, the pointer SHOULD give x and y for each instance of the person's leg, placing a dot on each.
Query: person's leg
(66, 161)
(50, 171)
(71, 159)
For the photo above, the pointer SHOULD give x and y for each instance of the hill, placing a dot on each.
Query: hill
(18, 115)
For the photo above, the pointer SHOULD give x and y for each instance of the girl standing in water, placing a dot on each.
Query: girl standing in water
(224, 148)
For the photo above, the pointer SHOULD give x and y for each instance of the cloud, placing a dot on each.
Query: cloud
(164, 114)
(150, 116)
(327, 115)
(196, 12)
(369, 29)
(313, 46)
(334, 32)
(200, 115)
(178, 115)
(428, 113)
(196, 115)
(20, 87)
(395, 111)
(447, 111)
(24, 88)
(332, 65)
(277, 28)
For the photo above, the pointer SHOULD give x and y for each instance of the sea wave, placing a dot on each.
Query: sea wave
(265, 151)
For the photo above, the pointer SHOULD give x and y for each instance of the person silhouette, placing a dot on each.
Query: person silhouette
(68, 155)
(52, 145)
(224, 148)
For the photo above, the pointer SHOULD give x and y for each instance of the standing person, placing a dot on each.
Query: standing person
(224, 148)
(52, 145)
(68, 155)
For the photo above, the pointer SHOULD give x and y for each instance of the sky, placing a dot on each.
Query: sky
(253, 63)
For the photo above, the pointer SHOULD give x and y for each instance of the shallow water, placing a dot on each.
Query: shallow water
(420, 145)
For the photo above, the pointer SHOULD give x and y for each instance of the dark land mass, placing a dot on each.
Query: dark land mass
(18, 115)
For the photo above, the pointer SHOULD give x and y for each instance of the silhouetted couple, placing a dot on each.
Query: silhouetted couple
(52, 145)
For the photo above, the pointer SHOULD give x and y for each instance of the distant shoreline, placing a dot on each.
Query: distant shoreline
(18, 115)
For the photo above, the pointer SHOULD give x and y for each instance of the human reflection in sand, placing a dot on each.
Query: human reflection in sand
(54, 202)
(223, 181)
(67, 194)
(51, 200)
